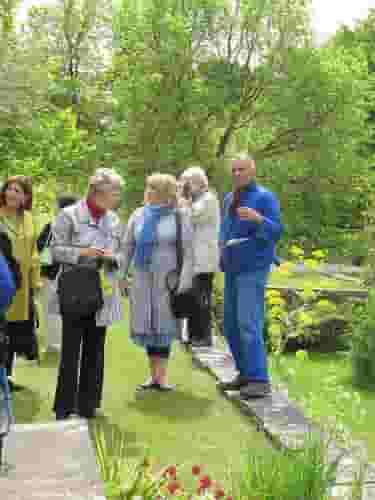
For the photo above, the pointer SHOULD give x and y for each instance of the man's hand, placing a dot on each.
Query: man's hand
(124, 287)
(184, 202)
(107, 253)
(249, 214)
(91, 252)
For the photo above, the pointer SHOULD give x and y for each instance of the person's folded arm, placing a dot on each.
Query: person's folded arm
(270, 227)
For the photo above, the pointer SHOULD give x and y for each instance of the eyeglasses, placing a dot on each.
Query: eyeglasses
(239, 169)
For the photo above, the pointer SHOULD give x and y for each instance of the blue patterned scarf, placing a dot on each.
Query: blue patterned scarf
(147, 236)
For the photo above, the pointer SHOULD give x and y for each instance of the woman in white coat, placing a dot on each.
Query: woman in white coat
(202, 205)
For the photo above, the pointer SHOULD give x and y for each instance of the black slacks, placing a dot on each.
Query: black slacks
(23, 338)
(80, 380)
(199, 322)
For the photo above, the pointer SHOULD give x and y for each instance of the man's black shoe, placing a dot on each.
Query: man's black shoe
(62, 415)
(185, 342)
(255, 390)
(87, 413)
(234, 385)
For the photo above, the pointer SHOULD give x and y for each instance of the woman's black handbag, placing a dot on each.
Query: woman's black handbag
(181, 303)
(79, 291)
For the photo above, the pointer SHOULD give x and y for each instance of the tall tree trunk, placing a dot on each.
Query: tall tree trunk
(224, 141)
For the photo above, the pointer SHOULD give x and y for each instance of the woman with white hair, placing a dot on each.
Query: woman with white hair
(203, 208)
(88, 233)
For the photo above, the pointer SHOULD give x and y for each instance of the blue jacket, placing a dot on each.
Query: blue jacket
(7, 285)
(258, 252)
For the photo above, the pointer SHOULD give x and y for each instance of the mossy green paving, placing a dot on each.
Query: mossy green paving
(194, 424)
(309, 279)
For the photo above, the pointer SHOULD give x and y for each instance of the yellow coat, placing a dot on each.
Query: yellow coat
(23, 235)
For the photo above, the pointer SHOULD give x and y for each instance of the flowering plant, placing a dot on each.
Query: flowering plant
(205, 487)
(127, 479)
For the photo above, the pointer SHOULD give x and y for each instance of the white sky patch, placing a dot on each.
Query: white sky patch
(328, 15)
(25, 6)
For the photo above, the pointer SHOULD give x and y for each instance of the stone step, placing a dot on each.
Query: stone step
(52, 461)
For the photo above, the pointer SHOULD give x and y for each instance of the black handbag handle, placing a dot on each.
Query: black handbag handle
(175, 274)
(179, 249)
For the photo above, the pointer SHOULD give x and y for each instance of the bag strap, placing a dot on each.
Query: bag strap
(49, 239)
(179, 248)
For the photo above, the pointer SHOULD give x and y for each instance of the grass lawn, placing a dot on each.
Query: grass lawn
(325, 379)
(194, 424)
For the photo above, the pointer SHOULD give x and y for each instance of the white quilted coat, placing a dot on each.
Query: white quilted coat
(205, 217)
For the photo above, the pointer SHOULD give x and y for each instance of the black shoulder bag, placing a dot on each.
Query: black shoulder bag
(79, 291)
(181, 303)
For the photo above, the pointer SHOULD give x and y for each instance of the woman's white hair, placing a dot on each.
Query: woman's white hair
(196, 175)
(244, 157)
(105, 179)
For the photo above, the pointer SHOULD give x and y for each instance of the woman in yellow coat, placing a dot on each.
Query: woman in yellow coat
(16, 220)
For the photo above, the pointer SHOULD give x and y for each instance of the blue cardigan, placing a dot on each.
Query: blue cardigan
(7, 285)
(258, 252)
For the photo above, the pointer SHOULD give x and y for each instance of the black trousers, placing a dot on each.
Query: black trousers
(22, 341)
(22, 338)
(199, 322)
(81, 370)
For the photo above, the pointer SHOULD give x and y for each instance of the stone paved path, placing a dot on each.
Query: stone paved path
(286, 425)
(53, 461)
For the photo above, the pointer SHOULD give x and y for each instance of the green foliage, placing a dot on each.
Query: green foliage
(335, 406)
(54, 99)
(360, 40)
(324, 203)
(363, 344)
(286, 476)
(324, 182)
(193, 82)
(54, 148)
(264, 473)
(321, 384)
(296, 318)
(186, 89)
(301, 317)
(123, 477)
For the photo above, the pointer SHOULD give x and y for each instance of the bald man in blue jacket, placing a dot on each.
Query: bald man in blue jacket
(250, 229)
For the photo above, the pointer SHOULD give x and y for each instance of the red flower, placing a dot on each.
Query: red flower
(173, 486)
(205, 482)
(196, 470)
(171, 471)
(219, 493)
(229, 498)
